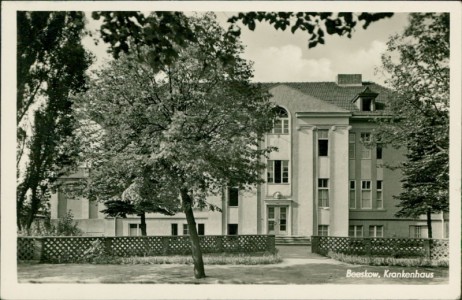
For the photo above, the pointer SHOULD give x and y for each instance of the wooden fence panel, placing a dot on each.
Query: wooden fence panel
(25, 248)
(390, 247)
(72, 249)
(440, 249)
(65, 249)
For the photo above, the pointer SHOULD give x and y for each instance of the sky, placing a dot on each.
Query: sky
(280, 56)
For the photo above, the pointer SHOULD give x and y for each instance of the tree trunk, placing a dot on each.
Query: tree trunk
(199, 271)
(20, 207)
(143, 224)
(429, 224)
(34, 206)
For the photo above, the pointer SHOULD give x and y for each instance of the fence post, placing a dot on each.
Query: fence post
(368, 246)
(271, 243)
(314, 244)
(165, 245)
(38, 249)
(108, 245)
(219, 239)
(427, 248)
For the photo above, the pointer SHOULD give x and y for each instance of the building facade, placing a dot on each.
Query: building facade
(323, 180)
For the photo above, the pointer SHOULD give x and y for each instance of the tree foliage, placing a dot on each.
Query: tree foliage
(163, 31)
(316, 24)
(51, 65)
(139, 199)
(191, 127)
(418, 64)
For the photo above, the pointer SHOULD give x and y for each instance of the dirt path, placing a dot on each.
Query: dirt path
(290, 271)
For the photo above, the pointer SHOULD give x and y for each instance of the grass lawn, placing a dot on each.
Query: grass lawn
(290, 271)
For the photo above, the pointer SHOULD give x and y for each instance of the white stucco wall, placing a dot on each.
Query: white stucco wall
(248, 212)
(305, 181)
(339, 189)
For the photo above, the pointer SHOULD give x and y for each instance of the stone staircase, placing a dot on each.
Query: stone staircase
(293, 240)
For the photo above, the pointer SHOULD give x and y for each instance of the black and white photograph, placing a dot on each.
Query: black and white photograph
(231, 150)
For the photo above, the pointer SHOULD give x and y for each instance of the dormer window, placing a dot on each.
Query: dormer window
(281, 123)
(365, 100)
(367, 104)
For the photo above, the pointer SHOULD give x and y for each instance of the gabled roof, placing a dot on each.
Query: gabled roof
(302, 101)
(340, 96)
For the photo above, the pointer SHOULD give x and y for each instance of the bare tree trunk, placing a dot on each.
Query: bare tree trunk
(199, 271)
(429, 224)
(143, 224)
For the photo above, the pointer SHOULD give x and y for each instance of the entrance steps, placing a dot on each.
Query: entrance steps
(293, 240)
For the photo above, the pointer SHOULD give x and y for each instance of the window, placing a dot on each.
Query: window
(323, 230)
(352, 145)
(323, 142)
(323, 192)
(200, 229)
(281, 123)
(376, 231)
(365, 149)
(174, 229)
(232, 229)
(278, 171)
(233, 194)
(352, 194)
(379, 194)
(379, 151)
(418, 231)
(134, 229)
(366, 201)
(355, 231)
(185, 229)
(367, 104)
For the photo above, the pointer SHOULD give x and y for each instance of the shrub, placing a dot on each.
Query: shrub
(389, 261)
(96, 253)
(65, 226)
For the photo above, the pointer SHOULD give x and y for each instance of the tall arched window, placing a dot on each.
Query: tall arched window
(281, 124)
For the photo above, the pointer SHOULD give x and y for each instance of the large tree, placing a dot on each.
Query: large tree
(417, 63)
(195, 123)
(51, 64)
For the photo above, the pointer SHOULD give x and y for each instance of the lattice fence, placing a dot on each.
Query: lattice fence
(25, 248)
(440, 249)
(72, 249)
(391, 247)
(178, 245)
(398, 247)
(65, 249)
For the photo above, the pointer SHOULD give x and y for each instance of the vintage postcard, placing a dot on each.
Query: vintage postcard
(231, 150)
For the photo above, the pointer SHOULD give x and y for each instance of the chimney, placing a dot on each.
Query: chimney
(349, 80)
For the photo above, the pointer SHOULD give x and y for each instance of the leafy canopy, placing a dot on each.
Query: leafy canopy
(51, 65)
(164, 31)
(315, 24)
(418, 64)
(193, 124)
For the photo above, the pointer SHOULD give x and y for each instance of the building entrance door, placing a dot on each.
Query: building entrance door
(277, 220)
